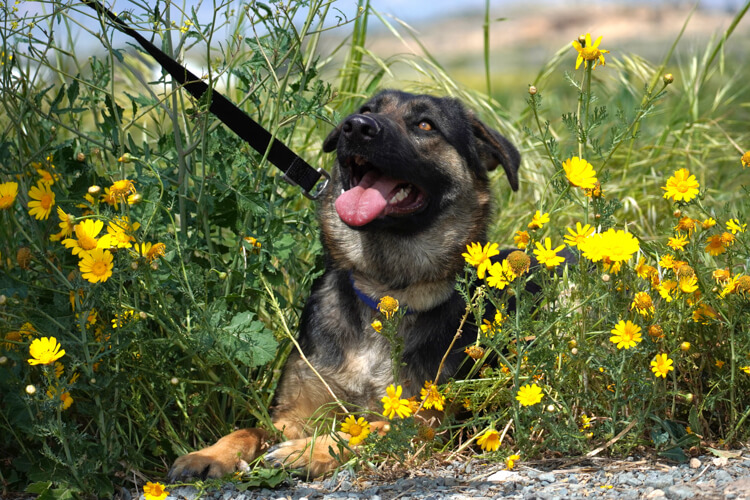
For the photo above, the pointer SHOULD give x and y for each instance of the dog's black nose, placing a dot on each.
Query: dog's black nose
(360, 127)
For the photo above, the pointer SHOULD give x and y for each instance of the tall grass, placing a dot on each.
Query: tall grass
(175, 348)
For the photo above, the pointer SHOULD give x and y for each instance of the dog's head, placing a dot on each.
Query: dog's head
(411, 172)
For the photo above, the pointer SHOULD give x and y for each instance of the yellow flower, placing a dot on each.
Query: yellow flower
(682, 186)
(474, 352)
(96, 265)
(479, 256)
(432, 397)
(522, 239)
(715, 245)
(86, 233)
(66, 225)
(501, 275)
(510, 462)
(677, 242)
(529, 395)
(612, 246)
(686, 224)
(688, 284)
(539, 220)
(580, 234)
(745, 160)
(490, 329)
(585, 421)
(580, 173)
(150, 251)
(643, 304)
(44, 351)
(120, 190)
(719, 364)
(48, 177)
(8, 193)
(721, 275)
(358, 429)
(595, 192)
(708, 223)
(377, 325)
(626, 334)
(685, 346)
(154, 491)
(591, 53)
(42, 201)
(65, 397)
(735, 226)
(121, 231)
(489, 440)
(745, 369)
(388, 306)
(661, 365)
(121, 319)
(704, 314)
(547, 255)
(394, 405)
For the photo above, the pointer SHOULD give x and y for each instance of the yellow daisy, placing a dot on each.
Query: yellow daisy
(510, 462)
(678, 242)
(87, 232)
(522, 239)
(745, 160)
(67, 225)
(501, 275)
(154, 491)
(578, 235)
(432, 397)
(479, 256)
(388, 306)
(661, 365)
(45, 351)
(394, 405)
(121, 231)
(8, 194)
(715, 245)
(529, 395)
(735, 226)
(548, 255)
(643, 303)
(42, 201)
(580, 173)
(682, 186)
(626, 334)
(96, 265)
(358, 429)
(539, 220)
(588, 52)
(489, 440)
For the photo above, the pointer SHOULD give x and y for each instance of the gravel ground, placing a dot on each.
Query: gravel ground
(704, 477)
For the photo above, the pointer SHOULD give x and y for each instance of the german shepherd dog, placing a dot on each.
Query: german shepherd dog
(410, 190)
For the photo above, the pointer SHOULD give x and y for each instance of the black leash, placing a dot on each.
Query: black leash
(296, 170)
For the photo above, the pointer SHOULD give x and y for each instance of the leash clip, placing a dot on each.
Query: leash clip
(317, 190)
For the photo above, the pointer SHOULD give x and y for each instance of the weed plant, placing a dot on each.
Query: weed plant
(154, 267)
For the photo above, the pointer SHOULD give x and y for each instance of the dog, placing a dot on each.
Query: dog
(409, 190)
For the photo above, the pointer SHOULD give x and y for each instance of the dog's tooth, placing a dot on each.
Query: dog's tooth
(401, 195)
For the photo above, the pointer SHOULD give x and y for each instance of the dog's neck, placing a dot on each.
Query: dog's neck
(416, 297)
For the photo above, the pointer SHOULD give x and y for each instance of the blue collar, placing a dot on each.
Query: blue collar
(368, 301)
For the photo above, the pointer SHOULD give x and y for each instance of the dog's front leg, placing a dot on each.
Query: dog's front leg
(224, 457)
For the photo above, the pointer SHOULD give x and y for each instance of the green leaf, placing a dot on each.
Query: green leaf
(675, 454)
(263, 478)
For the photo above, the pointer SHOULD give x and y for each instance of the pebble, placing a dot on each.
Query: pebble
(620, 480)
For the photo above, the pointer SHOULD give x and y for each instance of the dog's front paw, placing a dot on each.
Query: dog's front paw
(224, 457)
(309, 457)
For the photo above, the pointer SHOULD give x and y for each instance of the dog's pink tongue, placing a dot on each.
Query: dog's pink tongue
(365, 202)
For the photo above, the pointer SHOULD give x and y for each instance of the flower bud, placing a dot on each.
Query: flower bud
(574, 351)
(30, 389)
(126, 158)
(23, 257)
(685, 346)
(605, 278)
(135, 199)
(668, 78)
(3, 300)
(94, 190)
(92, 381)
(582, 40)
(551, 408)
(174, 381)
(80, 157)
(3, 360)
(532, 90)
(134, 265)
(142, 315)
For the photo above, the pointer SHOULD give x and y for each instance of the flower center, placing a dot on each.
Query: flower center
(46, 201)
(87, 242)
(355, 430)
(99, 268)
(589, 53)
(6, 201)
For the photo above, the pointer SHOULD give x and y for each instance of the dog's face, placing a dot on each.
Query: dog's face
(410, 187)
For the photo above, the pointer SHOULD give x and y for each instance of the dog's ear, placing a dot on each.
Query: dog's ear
(494, 150)
(330, 142)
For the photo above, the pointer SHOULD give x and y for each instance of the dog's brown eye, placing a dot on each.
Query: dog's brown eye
(425, 125)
